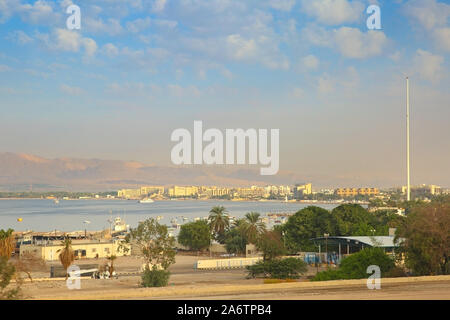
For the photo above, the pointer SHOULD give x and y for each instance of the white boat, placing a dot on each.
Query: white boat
(146, 200)
(119, 225)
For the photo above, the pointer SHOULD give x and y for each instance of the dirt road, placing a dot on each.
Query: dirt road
(187, 283)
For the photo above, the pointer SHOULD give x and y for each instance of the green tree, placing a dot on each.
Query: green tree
(195, 235)
(353, 220)
(218, 220)
(288, 268)
(235, 241)
(355, 265)
(253, 227)
(271, 245)
(157, 247)
(7, 272)
(305, 224)
(426, 233)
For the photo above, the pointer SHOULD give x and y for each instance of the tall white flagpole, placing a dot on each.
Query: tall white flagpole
(408, 195)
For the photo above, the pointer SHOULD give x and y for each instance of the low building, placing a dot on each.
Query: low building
(84, 249)
(423, 190)
(179, 191)
(352, 192)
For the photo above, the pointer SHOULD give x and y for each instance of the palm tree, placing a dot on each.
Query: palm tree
(253, 227)
(7, 243)
(67, 255)
(218, 219)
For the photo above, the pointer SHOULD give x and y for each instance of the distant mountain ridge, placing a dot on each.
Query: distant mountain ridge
(19, 172)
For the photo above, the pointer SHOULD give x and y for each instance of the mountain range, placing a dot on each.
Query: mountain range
(20, 172)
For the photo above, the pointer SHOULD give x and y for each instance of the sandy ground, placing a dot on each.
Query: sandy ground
(187, 283)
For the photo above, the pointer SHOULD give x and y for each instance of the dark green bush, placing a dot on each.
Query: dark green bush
(289, 268)
(396, 272)
(155, 278)
(328, 275)
(355, 266)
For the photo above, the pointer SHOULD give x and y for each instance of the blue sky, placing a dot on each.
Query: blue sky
(137, 70)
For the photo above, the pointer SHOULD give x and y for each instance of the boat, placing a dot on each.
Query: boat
(146, 200)
(56, 201)
(120, 225)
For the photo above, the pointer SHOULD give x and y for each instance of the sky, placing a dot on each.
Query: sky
(137, 70)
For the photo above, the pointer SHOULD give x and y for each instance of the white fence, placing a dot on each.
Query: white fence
(226, 263)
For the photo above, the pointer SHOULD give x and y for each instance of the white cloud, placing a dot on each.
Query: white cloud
(325, 84)
(260, 49)
(4, 68)
(111, 27)
(159, 5)
(110, 50)
(429, 13)
(333, 12)
(310, 62)
(317, 36)
(442, 38)
(428, 65)
(170, 24)
(138, 25)
(282, 5)
(298, 93)
(41, 12)
(90, 46)
(8, 8)
(70, 90)
(67, 40)
(352, 43)
(20, 37)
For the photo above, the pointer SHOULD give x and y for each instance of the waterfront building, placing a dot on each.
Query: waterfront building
(302, 189)
(84, 249)
(423, 190)
(179, 191)
(352, 192)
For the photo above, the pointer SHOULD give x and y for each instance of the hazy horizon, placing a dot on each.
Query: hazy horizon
(137, 70)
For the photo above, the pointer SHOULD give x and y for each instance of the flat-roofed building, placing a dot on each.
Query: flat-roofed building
(423, 190)
(302, 189)
(84, 249)
(129, 193)
(352, 192)
(149, 190)
(179, 191)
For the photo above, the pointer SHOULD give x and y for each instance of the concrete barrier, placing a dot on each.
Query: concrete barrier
(235, 263)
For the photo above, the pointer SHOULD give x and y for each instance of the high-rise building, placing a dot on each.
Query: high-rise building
(301, 190)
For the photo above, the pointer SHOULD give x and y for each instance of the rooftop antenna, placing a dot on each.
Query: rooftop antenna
(408, 191)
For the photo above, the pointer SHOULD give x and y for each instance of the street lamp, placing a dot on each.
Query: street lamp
(326, 235)
(85, 232)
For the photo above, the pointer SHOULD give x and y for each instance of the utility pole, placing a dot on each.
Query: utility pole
(408, 191)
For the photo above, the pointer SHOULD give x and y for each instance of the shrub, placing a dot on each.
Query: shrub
(355, 266)
(289, 268)
(396, 272)
(328, 275)
(155, 278)
(7, 271)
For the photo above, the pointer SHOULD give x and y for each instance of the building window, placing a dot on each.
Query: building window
(107, 250)
(94, 250)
